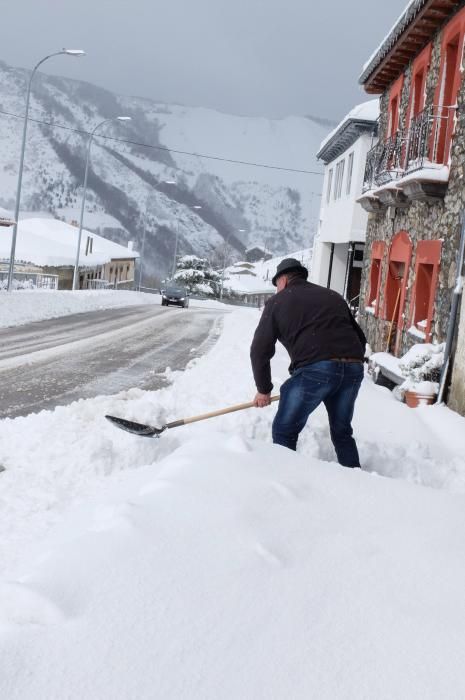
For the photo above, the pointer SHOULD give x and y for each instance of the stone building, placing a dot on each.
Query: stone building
(414, 180)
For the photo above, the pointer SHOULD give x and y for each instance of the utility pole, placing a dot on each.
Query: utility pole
(63, 52)
(175, 249)
(83, 203)
(141, 259)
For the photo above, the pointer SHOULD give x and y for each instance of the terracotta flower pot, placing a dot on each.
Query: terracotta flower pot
(415, 398)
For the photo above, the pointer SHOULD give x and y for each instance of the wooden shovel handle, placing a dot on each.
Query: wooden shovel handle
(221, 412)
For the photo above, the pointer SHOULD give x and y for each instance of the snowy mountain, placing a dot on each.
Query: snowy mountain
(128, 192)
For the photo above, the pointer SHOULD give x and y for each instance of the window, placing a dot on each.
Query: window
(350, 170)
(330, 182)
(418, 83)
(428, 258)
(338, 179)
(396, 284)
(447, 90)
(394, 107)
(377, 255)
(341, 177)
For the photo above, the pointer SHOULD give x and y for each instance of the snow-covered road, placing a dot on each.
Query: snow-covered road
(55, 362)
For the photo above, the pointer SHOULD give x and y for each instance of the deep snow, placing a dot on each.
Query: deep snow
(211, 564)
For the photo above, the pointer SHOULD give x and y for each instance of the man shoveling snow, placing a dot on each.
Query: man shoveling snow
(326, 347)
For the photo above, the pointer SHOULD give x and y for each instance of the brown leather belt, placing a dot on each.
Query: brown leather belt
(345, 359)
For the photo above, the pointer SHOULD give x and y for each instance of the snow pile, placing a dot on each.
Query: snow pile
(17, 308)
(236, 570)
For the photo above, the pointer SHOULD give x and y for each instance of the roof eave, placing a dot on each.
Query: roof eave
(414, 29)
(359, 127)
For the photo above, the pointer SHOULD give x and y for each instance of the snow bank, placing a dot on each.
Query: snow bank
(24, 306)
(237, 570)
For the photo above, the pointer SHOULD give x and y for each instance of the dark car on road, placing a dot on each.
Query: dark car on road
(177, 296)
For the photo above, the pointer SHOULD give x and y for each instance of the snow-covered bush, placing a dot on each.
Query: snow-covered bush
(421, 367)
(17, 284)
(197, 275)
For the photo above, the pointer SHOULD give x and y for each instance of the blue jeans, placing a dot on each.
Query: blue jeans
(336, 384)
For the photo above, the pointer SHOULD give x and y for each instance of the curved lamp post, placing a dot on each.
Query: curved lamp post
(226, 243)
(83, 204)
(63, 52)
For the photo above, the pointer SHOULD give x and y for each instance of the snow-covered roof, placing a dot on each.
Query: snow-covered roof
(53, 243)
(5, 218)
(361, 118)
(256, 277)
(430, 15)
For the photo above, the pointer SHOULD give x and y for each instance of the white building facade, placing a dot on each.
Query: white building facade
(340, 241)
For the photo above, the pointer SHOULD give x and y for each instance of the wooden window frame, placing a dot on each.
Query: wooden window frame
(427, 253)
(400, 253)
(420, 65)
(395, 96)
(350, 171)
(378, 250)
(453, 31)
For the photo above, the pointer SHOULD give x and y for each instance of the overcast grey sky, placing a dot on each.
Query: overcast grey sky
(254, 57)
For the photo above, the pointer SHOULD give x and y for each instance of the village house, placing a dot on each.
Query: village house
(46, 252)
(414, 183)
(339, 244)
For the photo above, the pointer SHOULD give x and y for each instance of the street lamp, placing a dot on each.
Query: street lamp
(226, 243)
(194, 206)
(141, 257)
(63, 52)
(83, 204)
(197, 207)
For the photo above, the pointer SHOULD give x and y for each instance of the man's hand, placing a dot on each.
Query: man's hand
(262, 400)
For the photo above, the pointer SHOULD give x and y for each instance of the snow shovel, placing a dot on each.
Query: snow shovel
(150, 431)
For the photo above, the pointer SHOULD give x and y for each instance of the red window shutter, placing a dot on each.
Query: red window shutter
(377, 254)
(428, 259)
(447, 89)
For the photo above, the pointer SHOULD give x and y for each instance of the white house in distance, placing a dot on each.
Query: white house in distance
(339, 243)
(46, 247)
(251, 282)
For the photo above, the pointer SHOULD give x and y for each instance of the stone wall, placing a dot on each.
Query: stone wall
(423, 221)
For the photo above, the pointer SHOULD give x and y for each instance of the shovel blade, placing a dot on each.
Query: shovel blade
(135, 428)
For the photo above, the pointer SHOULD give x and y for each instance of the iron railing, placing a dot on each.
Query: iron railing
(29, 280)
(427, 137)
(98, 284)
(425, 141)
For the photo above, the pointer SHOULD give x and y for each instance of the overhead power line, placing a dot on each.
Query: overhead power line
(165, 148)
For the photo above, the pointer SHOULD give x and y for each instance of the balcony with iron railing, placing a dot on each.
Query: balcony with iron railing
(421, 149)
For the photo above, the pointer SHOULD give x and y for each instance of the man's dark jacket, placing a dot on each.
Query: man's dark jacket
(312, 322)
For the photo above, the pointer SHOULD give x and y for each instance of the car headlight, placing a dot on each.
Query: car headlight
(182, 298)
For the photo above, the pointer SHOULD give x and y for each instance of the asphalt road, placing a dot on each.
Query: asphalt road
(55, 362)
